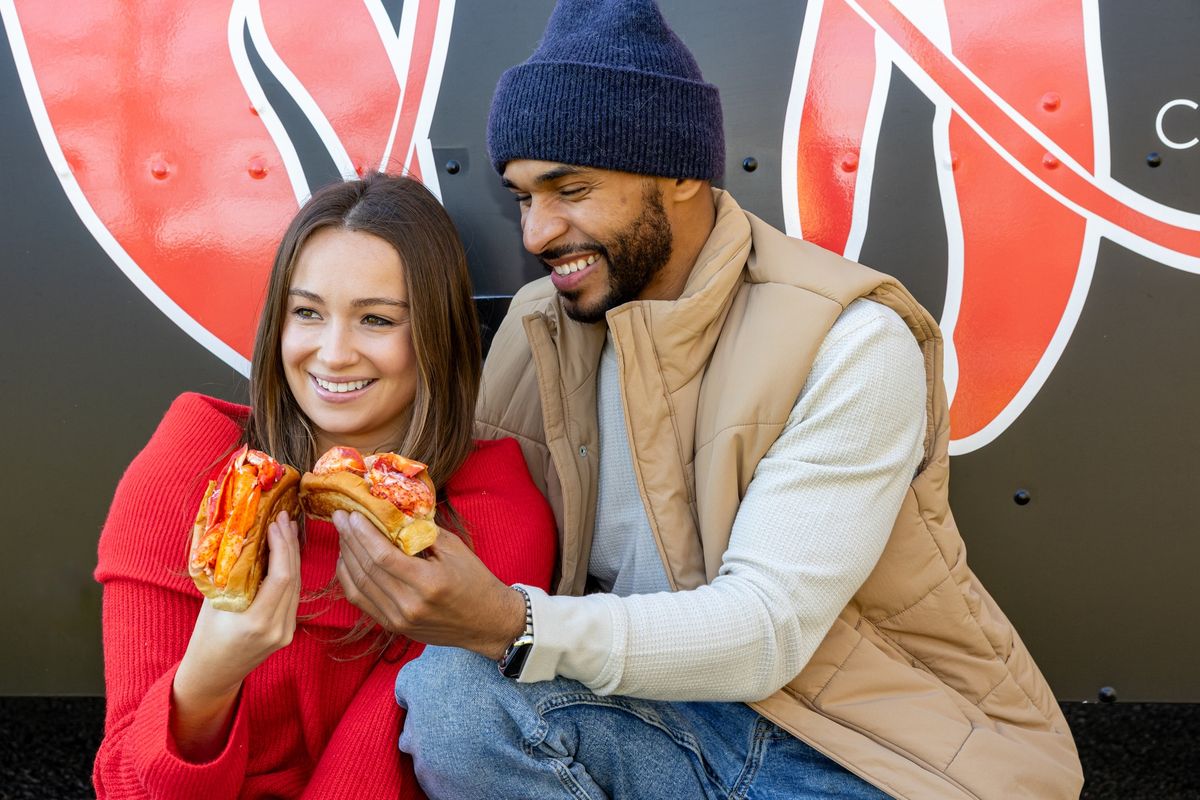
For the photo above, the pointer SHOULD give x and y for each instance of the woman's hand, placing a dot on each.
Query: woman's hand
(445, 597)
(225, 646)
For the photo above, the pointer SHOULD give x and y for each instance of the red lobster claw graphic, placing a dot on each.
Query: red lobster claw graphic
(1023, 175)
(166, 145)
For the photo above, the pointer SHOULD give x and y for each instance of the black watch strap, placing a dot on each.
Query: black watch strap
(513, 660)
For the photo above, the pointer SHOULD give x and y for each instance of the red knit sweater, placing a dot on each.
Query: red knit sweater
(306, 725)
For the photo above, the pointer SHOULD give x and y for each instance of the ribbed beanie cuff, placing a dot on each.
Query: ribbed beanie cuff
(638, 104)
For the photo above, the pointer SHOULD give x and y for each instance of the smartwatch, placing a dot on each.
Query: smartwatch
(513, 660)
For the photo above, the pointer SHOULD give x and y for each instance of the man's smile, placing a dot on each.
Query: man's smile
(574, 266)
(568, 272)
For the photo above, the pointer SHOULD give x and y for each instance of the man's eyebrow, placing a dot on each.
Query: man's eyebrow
(548, 176)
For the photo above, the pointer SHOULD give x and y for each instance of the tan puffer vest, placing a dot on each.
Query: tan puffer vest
(922, 686)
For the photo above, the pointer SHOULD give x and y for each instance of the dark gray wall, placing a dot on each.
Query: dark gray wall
(1097, 571)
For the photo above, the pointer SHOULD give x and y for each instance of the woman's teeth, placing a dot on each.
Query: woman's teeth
(329, 386)
(575, 266)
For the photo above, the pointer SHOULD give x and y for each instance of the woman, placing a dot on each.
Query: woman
(368, 338)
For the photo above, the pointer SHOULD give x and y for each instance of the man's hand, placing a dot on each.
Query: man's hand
(444, 597)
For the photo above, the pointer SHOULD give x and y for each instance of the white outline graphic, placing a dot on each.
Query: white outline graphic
(795, 112)
(247, 15)
(864, 174)
(1054, 349)
(421, 145)
(931, 21)
(1105, 184)
(239, 14)
(88, 216)
(398, 56)
(955, 246)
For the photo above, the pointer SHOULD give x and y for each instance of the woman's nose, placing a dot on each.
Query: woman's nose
(337, 346)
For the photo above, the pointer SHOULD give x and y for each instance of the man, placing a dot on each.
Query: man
(762, 590)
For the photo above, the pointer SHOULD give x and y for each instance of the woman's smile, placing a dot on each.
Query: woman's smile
(341, 390)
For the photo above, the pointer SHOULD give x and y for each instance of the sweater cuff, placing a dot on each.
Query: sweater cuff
(572, 638)
(166, 773)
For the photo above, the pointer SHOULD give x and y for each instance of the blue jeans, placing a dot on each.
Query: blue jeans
(475, 734)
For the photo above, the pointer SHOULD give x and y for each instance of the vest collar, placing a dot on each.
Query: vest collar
(686, 329)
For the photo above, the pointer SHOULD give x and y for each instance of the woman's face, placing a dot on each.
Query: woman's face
(347, 343)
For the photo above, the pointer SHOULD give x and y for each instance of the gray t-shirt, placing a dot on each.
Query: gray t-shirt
(625, 558)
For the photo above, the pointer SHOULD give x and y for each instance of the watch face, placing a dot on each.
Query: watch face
(514, 658)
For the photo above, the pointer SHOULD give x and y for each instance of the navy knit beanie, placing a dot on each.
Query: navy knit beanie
(609, 86)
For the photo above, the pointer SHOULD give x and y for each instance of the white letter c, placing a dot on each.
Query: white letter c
(1162, 112)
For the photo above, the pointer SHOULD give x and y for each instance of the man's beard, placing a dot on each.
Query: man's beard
(634, 256)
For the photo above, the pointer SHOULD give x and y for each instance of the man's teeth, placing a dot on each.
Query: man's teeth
(329, 386)
(575, 266)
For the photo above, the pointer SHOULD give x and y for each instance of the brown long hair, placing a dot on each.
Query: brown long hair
(445, 328)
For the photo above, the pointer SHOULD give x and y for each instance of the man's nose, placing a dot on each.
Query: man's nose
(540, 226)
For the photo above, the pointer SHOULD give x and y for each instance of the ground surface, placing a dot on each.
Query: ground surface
(1129, 750)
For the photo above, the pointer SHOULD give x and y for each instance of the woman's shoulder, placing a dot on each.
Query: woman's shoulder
(495, 470)
(491, 464)
(195, 430)
(156, 498)
(192, 413)
(492, 452)
(510, 523)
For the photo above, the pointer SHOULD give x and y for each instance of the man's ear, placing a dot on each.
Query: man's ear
(684, 189)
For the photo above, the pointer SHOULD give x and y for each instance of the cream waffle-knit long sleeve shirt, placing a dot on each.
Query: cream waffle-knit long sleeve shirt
(813, 523)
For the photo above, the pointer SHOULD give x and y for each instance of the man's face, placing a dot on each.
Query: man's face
(603, 235)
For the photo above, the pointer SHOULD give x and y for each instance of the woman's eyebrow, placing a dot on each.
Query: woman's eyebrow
(379, 301)
(362, 302)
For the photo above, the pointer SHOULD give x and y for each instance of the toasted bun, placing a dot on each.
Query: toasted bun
(321, 495)
(247, 573)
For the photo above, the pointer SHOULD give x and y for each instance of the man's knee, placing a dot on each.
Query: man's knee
(437, 675)
(444, 686)
(459, 715)
(446, 690)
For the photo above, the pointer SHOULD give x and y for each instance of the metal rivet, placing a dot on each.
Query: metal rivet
(583, 451)
(1022, 497)
(1107, 694)
(1049, 161)
(1051, 101)
(749, 163)
(253, 110)
(1154, 160)
(453, 167)
(257, 168)
(850, 162)
(954, 161)
(159, 169)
